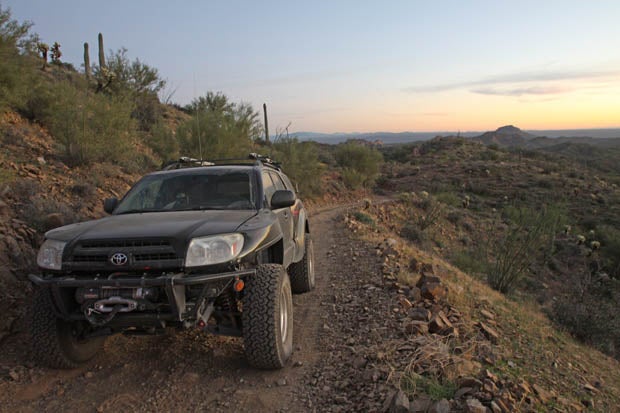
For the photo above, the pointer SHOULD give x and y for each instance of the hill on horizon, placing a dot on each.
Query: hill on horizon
(389, 138)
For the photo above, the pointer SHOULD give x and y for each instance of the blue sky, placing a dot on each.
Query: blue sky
(342, 66)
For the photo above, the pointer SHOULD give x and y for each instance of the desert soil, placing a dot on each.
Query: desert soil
(336, 327)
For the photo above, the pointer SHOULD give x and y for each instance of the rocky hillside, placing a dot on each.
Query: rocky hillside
(40, 192)
(450, 343)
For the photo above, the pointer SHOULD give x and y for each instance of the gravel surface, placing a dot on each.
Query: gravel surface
(334, 366)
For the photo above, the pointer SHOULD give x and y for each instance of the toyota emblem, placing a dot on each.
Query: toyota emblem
(118, 259)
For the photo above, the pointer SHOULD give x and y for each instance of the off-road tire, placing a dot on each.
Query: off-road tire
(54, 344)
(265, 294)
(302, 272)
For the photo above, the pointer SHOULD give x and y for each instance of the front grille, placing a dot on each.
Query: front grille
(129, 243)
(90, 258)
(141, 253)
(155, 257)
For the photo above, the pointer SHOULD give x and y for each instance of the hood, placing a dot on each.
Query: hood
(178, 225)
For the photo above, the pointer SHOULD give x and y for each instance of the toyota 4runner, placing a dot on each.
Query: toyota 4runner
(213, 246)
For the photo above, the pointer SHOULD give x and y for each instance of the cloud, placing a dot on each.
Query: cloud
(488, 85)
(532, 90)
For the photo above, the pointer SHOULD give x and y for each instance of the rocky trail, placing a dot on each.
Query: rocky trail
(190, 371)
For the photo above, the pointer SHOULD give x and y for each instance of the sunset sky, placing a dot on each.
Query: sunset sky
(343, 66)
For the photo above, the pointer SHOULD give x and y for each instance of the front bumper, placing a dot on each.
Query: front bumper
(181, 308)
(134, 282)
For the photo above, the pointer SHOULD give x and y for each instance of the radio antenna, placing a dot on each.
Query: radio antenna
(198, 120)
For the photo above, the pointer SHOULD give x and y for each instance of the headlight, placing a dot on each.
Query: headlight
(213, 250)
(50, 254)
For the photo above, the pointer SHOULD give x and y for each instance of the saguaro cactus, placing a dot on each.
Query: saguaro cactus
(101, 52)
(86, 60)
(266, 124)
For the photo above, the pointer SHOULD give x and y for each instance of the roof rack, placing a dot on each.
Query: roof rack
(266, 160)
(187, 162)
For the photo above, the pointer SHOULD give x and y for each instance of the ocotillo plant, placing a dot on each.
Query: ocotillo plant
(101, 52)
(86, 61)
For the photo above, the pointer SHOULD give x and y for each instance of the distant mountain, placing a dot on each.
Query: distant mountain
(505, 136)
(385, 137)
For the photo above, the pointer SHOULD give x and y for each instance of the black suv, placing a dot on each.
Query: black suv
(207, 245)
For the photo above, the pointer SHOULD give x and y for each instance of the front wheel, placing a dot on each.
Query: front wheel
(268, 317)
(58, 343)
(302, 272)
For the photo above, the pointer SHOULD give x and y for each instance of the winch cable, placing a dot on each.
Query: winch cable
(101, 322)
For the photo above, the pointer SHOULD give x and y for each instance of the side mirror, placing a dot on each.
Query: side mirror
(109, 205)
(282, 199)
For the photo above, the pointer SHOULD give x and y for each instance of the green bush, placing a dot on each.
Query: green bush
(163, 142)
(15, 61)
(89, 127)
(218, 128)
(360, 164)
(363, 218)
(301, 163)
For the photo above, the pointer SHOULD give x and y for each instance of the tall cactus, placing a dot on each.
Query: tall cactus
(101, 52)
(86, 61)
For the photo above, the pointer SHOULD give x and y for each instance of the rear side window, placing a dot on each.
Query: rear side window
(277, 181)
(268, 187)
(288, 183)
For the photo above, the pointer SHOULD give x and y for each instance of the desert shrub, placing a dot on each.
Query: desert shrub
(25, 189)
(610, 249)
(489, 155)
(454, 217)
(479, 188)
(363, 218)
(89, 127)
(589, 311)
(360, 164)
(529, 233)
(434, 387)
(218, 128)
(471, 261)
(352, 178)
(301, 163)
(36, 212)
(83, 190)
(163, 142)
(15, 66)
(448, 198)
(413, 233)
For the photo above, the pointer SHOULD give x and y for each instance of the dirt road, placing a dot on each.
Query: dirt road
(191, 371)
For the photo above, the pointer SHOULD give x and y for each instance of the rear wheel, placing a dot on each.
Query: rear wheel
(58, 343)
(302, 272)
(268, 317)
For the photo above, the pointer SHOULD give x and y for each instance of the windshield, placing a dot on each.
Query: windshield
(210, 189)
